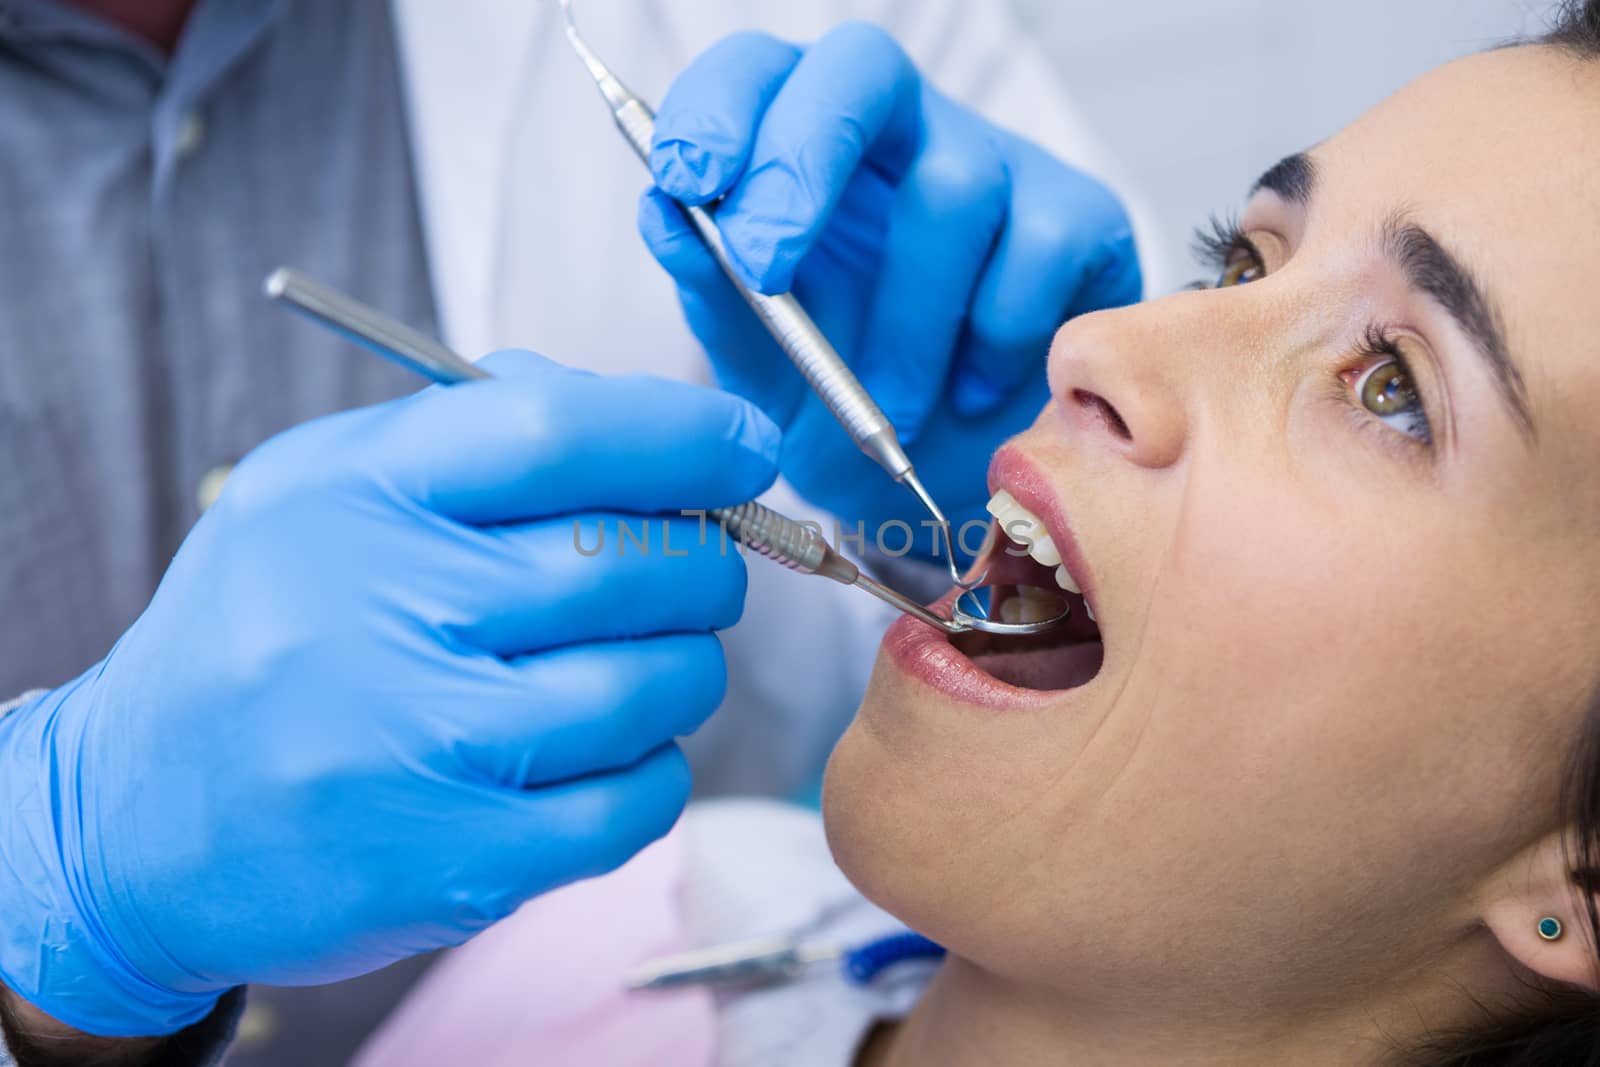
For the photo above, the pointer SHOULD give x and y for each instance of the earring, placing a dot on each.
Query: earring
(1550, 928)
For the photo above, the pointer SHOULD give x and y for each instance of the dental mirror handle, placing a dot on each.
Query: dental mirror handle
(801, 548)
(371, 329)
(768, 533)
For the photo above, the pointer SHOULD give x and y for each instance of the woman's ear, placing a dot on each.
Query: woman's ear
(1537, 887)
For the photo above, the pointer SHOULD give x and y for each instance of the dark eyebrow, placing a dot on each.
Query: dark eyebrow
(1293, 178)
(1431, 270)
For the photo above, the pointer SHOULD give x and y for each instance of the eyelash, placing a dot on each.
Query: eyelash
(1216, 243)
(1221, 242)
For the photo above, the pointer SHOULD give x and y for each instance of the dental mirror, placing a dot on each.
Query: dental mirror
(1009, 610)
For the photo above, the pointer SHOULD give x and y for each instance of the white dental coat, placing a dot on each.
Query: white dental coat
(528, 199)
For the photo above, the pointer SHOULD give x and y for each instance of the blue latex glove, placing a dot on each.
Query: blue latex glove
(937, 252)
(379, 699)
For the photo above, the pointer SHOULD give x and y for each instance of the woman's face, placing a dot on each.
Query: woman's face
(1348, 617)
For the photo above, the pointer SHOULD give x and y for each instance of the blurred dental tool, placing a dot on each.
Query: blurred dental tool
(796, 545)
(369, 328)
(781, 959)
(799, 337)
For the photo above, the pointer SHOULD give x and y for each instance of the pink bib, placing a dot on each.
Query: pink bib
(544, 986)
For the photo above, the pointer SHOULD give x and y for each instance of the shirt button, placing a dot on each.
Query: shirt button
(191, 135)
(210, 487)
(257, 1026)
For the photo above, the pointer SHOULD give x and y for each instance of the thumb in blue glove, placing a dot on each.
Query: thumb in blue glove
(380, 698)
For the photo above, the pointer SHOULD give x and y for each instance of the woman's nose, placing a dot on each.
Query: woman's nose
(1113, 383)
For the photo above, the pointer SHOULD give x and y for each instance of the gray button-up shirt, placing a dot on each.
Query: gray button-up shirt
(142, 201)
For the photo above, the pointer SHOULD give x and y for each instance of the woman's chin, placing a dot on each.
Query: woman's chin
(894, 801)
(864, 811)
(921, 797)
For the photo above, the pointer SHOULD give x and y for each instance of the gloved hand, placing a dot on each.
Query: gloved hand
(380, 698)
(937, 252)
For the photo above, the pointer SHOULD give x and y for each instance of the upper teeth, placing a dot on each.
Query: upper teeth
(1064, 580)
(1024, 527)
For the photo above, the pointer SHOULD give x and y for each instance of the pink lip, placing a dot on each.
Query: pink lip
(1016, 474)
(927, 655)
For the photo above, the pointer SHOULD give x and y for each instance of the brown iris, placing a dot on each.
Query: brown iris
(1386, 389)
(1241, 269)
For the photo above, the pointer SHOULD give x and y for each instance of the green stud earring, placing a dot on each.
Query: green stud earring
(1550, 928)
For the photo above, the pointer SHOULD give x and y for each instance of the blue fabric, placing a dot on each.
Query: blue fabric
(135, 351)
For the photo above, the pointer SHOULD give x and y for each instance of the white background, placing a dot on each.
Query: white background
(1197, 98)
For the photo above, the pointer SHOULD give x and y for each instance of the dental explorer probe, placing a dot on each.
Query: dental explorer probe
(800, 338)
(795, 545)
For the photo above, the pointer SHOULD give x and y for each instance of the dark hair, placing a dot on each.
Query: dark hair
(1554, 1027)
(1576, 28)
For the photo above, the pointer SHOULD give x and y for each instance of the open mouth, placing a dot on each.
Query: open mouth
(1028, 569)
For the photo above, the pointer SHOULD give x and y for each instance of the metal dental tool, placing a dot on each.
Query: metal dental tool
(368, 327)
(800, 547)
(795, 545)
(800, 338)
(770, 961)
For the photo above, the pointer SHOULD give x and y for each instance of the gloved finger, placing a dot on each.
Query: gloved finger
(854, 94)
(541, 439)
(746, 359)
(1067, 247)
(946, 216)
(592, 825)
(707, 122)
(512, 844)
(588, 708)
(598, 577)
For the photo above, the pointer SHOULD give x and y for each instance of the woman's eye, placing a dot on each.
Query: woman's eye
(1242, 267)
(1224, 246)
(1387, 391)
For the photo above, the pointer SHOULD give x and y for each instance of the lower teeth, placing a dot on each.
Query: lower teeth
(1026, 609)
(1030, 604)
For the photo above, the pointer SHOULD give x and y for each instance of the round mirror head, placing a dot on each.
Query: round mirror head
(1010, 609)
